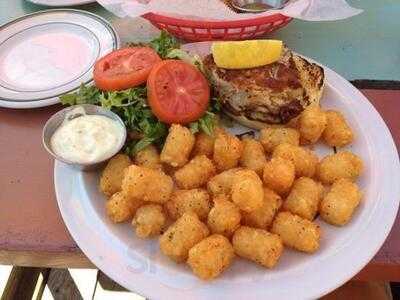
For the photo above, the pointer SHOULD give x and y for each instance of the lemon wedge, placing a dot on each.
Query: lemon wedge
(246, 54)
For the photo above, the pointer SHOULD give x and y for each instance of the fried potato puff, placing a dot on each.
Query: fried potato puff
(204, 145)
(274, 136)
(247, 190)
(195, 200)
(149, 158)
(340, 165)
(178, 145)
(196, 173)
(253, 156)
(222, 183)
(121, 208)
(181, 236)
(304, 160)
(340, 202)
(263, 217)
(296, 232)
(304, 198)
(149, 220)
(257, 245)
(311, 124)
(227, 150)
(147, 184)
(113, 173)
(279, 174)
(210, 257)
(337, 132)
(224, 217)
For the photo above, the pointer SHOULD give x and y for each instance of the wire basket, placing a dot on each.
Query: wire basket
(195, 30)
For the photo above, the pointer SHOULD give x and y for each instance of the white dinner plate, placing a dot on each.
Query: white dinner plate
(59, 3)
(139, 266)
(50, 53)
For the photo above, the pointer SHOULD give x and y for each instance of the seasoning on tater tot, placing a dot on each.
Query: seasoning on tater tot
(340, 165)
(279, 174)
(113, 173)
(182, 235)
(296, 232)
(247, 190)
(337, 132)
(196, 173)
(253, 156)
(263, 217)
(147, 184)
(222, 183)
(149, 158)
(311, 124)
(224, 217)
(210, 257)
(227, 150)
(204, 145)
(258, 245)
(304, 198)
(304, 160)
(178, 145)
(273, 136)
(149, 220)
(121, 208)
(340, 202)
(195, 200)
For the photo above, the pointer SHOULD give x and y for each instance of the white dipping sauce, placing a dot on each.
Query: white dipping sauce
(87, 138)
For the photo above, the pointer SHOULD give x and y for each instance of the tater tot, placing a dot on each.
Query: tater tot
(247, 190)
(121, 208)
(209, 258)
(296, 232)
(149, 220)
(339, 204)
(257, 245)
(113, 173)
(279, 174)
(178, 145)
(304, 198)
(340, 165)
(196, 173)
(337, 132)
(182, 235)
(224, 217)
(222, 183)
(147, 184)
(149, 158)
(304, 160)
(195, 200)
(311, 124)
(263, 217)
(273, 136)
(253, 155)
(204, 145)
(227, 150)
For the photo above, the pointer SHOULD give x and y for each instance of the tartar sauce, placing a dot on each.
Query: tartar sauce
(86, 138)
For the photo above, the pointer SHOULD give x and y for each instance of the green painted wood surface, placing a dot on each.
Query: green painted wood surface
(366, 46)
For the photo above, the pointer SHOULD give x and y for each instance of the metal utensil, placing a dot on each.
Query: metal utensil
(257, 6)
(57, 119)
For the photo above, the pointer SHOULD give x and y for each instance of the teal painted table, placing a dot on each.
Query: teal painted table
(366, 46)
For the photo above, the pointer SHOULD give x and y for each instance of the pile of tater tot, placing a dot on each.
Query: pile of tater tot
(211, 198)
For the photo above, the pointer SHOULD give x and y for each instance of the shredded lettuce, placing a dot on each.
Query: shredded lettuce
(186, 57)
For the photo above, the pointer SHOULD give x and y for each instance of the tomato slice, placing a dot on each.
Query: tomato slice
(177, 92)
(124, 68)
